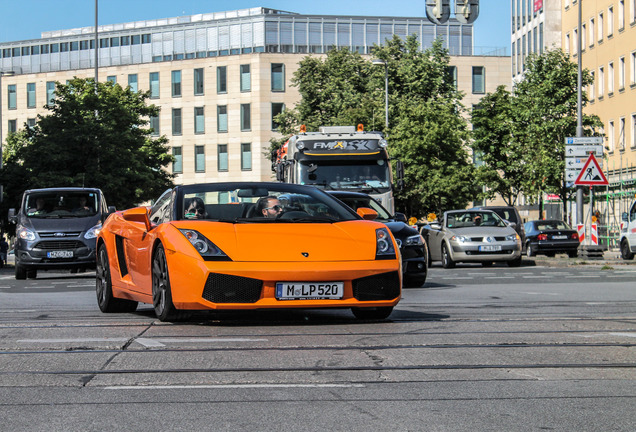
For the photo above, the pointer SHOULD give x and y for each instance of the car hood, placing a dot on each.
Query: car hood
(401, 230)
(484, 231)
(79, 224)
(288, 242)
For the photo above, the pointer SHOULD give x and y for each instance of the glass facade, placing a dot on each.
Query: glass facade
(223, 33)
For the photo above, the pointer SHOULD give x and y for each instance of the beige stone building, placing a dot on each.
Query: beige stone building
(608, 51)
(219, 78)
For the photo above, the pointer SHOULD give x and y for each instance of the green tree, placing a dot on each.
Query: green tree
(500, 156)
(94, 138)
(427, 130)
(545, 107)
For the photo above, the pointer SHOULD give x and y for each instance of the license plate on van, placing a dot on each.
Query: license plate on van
(60, 254)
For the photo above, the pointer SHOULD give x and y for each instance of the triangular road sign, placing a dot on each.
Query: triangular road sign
(591, 174)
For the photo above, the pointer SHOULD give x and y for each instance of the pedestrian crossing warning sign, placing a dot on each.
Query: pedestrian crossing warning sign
(591, 174)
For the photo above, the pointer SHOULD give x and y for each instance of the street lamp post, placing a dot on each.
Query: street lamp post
(2, 73)
(379, 62)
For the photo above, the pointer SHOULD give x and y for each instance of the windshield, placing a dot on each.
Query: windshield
(552, 225)
(363, 175)
(468, 219)
(261, 202)
(356, 202)
(61, 204)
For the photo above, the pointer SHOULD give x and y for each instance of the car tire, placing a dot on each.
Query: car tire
(31, 273)
(530, 250)
(104, 287)
(626, 253)
(377, 313)
(515, 262)
(573, 254)
(20, 272)
(161, 291)
(447, 261)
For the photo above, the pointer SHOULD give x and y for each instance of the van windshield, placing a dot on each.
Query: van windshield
(61, 204)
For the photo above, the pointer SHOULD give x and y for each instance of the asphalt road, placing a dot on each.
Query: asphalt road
(476, 349)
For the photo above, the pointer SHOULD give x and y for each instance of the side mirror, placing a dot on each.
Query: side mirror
(14, 219)
(435, 225)
(367, 213)
(400, 217)
(624, 216)
(138, 214)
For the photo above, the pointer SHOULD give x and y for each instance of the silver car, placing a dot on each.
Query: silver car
(473, 236)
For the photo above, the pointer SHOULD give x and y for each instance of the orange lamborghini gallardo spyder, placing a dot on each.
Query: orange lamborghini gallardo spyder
(247, 246)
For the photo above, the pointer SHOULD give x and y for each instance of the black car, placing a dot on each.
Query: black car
(412, 245)
(550, 237)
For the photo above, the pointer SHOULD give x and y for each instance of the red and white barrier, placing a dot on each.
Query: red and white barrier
(594, 234)
(580, 228)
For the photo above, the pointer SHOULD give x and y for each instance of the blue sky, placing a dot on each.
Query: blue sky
(27, 19)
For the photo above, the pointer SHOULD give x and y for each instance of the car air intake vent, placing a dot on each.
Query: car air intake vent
(483, 239)
(385, 286)
(59, 245)
(222, 288)
(58, 234)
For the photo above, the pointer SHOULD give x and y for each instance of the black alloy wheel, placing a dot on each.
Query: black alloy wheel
(161, 292)
(104, 287)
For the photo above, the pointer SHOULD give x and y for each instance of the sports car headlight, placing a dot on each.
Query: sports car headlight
(461, 239)
(415, 240)
(384, 245)
(513, 237)
(93, 232)
(26, 234)
(205, 247)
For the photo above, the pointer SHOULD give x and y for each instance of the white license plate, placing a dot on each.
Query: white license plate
(490, 248)
(309, 290)
(59, 254)
(559, 237)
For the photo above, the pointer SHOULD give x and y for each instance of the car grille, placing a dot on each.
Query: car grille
(59, 245)
(385, 286)
(222, 288)
(483, 239)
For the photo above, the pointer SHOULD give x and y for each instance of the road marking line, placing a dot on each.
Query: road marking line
(73, 340)
(159, 342)
(232, 386)
(632, 335)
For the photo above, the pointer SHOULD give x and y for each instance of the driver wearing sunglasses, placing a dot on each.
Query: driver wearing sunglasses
(270, 207)
(195, 209)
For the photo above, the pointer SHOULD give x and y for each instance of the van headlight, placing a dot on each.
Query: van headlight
(26, 234)
(93, 232)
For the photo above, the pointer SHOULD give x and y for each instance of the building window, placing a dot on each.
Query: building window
(621, 134)
(246, 81)
(610, 78)
(50, 93)
(277, 108)
(30, 95)
(246, 157)
(154, 85)
(199, 120)
(176, 83)
(198, 81)
(12, 126)
(112, 78)
(246, 121)
(633, 143)
(632, 61)
(222, 157)
(177, 164)
(132, 82)
(610, 136)
(221, 79)
(592, 93)
(221, 118)
(567, 43)
(632, 11)
(278, 77)
(591, 33)
(479, 79)
(452, 72)
(600, 27)
(610, 21)
(199, 158)
(176, 121)
(30, 123)
(621, 15)
(601, 82)
(621, 73)
(154, 125)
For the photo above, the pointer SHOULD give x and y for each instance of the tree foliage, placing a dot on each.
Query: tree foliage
(426, 128)
(94, 138)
